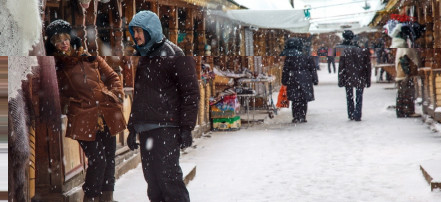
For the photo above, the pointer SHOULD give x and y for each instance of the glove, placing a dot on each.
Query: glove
(368, 84)
(185, 138)
(131, 141)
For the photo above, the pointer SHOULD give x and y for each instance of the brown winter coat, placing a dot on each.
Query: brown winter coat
(88, 88)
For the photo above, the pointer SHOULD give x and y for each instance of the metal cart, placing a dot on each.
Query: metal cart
(265, 93)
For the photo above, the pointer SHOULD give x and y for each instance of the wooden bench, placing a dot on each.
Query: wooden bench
(389, 68)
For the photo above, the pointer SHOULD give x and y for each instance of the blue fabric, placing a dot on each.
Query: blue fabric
(150, 23)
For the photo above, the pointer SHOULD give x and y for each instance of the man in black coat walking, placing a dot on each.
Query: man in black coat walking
(164, 109)
(299, 75)
(354, 71)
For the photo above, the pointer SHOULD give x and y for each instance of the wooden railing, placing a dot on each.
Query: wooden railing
(430, 92)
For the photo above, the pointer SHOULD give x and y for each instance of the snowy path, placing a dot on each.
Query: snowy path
(327, 159)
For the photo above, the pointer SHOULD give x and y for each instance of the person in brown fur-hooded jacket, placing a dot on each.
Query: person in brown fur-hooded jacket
(91, 96)
(61, 41)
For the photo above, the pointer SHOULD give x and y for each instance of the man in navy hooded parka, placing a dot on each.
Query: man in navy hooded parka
(164, 109)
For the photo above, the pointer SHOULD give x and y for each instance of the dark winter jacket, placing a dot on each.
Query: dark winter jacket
(163, 48)
(354, 67)
(299, 73)
(166, 92)
(88, 88)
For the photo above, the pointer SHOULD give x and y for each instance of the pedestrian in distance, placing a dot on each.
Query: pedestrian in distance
(91, 96)
(354, 72)
(299, 75)
(164, 109)
(331, 59)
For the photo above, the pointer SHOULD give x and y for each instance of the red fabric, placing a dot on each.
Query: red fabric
(282, 99)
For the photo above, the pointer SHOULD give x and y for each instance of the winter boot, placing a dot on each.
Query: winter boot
(303, 120)
(107, 196)
(91, 199)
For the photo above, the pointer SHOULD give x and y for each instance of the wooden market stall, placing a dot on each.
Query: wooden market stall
(428, 84)
(426, 13)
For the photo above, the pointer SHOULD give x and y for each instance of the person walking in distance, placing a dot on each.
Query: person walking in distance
(299, 75)
(354, 72)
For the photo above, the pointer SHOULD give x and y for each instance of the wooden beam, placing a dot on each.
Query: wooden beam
(91, 28)
(79, 23)
(173, 24)
(155, 7)
(189, 30)
(201, 33)
(128, 71)
(115, 15)
(129, 12)
(173, 3)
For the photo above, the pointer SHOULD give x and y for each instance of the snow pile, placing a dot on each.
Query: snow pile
(19, 67)
(20, 27)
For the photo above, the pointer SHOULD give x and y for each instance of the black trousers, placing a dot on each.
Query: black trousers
(331, 60)
(405, 105)
(299, 109)
(100, 174)
(354, 110)
(160, 165)
(317, 62)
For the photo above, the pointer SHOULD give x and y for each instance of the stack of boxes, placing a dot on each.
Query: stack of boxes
(223, 114)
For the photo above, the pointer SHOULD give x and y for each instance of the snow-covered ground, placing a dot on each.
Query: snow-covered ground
(4, 170)
(327, 159)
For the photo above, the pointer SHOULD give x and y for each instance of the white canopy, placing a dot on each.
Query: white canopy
(291, 20)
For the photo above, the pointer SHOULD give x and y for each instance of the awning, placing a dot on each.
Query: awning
(291, 20)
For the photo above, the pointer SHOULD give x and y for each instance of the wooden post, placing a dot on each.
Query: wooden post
(155, 7)
(242, 51)
(79, 24)
(189, 29)
(198, 60)
(201, 34)
(129, 12)
(116, 28)
(173, 24)
(128, 71)
(436, 24)
(428, 21)
(91, 28)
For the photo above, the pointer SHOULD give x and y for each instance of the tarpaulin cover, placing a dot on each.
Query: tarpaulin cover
(291, 20)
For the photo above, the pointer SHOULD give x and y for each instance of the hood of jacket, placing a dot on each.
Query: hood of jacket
(294, 43)
(293, 47)
(151, 24)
